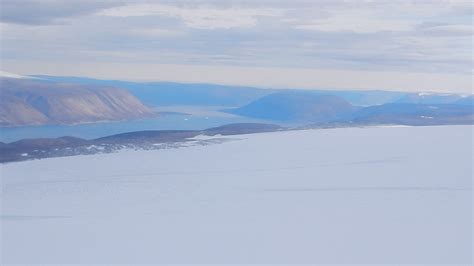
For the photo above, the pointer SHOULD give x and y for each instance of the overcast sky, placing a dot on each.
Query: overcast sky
(396, 45)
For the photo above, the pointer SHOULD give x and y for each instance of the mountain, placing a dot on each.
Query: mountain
(172, 93)
(297, 106)
(37, 102)
(318, 110)
(467, 100)
(429, 98)
(415, 114)
(365, 98)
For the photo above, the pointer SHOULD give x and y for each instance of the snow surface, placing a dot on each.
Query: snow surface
(353, 195)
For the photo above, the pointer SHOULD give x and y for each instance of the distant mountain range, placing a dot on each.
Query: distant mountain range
(69, 100)
(427, 98)
(170, 93)
(415, 114)
(36, 102)
(316, 108)
(40, 100)
(466, 101)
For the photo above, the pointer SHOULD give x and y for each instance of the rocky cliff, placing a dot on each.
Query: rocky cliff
(36, 102)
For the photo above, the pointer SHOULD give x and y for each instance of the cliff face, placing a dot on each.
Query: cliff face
(32, 102)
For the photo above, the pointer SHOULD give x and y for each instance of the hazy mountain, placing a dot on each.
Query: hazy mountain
(468, 100)
(66, 100)
(429, 98)
(320, 109)
(297, 107)
(171, 93)
(364, 98)
(415, 114)
(35, 102)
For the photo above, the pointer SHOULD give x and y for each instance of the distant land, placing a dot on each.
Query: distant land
(37, 102)
(28, 149)
(50, 100)
(170, 93)
(298, 106)
(318, 108)
(201, 94)
(40, 148)
(45, 100)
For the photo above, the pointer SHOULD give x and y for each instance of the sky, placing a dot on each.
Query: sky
(392, 45)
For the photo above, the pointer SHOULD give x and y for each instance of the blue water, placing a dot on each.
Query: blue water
(96, 130)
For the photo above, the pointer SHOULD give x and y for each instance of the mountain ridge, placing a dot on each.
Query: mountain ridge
(34, 102)
(297, 106)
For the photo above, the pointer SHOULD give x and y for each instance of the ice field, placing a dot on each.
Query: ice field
(380, 195)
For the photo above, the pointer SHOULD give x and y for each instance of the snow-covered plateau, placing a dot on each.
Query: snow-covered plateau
(383, 195)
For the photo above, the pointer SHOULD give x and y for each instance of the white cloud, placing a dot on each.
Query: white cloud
(405, 36)
(358, 21)
(199, 17)
(450, 29)
(156, 32)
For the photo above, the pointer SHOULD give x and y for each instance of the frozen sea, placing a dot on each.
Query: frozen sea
(382, 195)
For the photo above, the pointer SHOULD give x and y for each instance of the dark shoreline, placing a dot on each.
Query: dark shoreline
(41, 148)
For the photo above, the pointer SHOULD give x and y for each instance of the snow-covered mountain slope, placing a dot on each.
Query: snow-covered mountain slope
(356, 195)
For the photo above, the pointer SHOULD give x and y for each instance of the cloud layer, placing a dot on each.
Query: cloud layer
(35, 12)
(432, 37)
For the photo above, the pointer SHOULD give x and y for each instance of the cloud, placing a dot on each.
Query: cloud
(448, 30)
(200, 17)
(402, 36)
(358, 21)
(385, 16)
(155, 32)
(40, 12)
